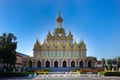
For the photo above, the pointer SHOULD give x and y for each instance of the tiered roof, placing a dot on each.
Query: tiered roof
(59, 35)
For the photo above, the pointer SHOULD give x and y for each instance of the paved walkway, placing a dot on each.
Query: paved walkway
(81, 78)
(73, 77)
(65, 78)
(62, 77)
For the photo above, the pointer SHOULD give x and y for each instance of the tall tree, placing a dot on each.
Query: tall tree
(118, 63)
(8, 47)
(103, 63)
(109, 61)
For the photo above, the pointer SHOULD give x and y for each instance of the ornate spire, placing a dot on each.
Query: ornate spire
(75, 45)
(63, 36)
(82, 44)
(44, 45)
(49, 32)
(59, 21)
(70, 36)
(37, 44)
(49, 36)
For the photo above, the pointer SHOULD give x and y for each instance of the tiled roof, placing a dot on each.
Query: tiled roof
(21, 54)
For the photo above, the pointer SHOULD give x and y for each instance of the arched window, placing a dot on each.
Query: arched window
(81, 64)
(56, 64)
(38, 64)
(64, 64)
(30, 63)
(89, 64)
(73, 64)
(47, 64)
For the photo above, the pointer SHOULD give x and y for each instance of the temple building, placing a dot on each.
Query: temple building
(60, 51)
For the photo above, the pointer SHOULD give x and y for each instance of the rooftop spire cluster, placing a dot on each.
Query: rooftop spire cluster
(59, 20)
(59, 39)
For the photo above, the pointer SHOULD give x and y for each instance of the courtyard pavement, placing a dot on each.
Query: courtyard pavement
(73, 77)
(81, 78)
(62, 77)
(65, 78)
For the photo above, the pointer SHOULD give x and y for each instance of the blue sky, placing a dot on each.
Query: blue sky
(96, 21)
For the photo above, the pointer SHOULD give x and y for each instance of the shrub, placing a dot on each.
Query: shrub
(102, 73)
(14, 74)
(112, 74)
(73, 70)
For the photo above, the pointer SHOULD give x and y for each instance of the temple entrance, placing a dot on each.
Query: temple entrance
(89, 64)
(30, 63)
(64, 64)
(47, 64)
(56, 64)
(81, 64)
(38, 64)
(73, 64)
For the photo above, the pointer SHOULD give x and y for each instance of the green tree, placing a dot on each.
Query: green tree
(103, 63)
(8, 47)
(109, 61)
(118, 63)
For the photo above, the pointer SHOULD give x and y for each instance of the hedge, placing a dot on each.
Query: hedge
(14, 74)
(112, 74)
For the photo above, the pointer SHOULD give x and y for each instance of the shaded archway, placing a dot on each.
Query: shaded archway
(73, 64)
(89, 64)
(38, 64)
(56, 64)
(81, 64)
(64, 64)
(30, 63)
(47, 64)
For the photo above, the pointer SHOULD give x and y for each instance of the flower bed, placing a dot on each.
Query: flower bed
(45, 71)
(89, 70)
